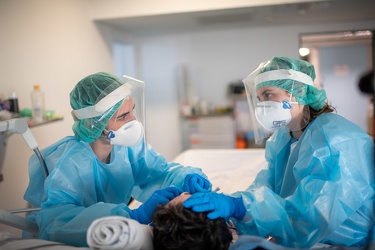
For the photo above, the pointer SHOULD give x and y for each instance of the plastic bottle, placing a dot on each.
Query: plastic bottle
(37, 103)
(13, 103)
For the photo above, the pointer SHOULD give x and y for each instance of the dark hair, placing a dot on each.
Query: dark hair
(315, 113)
(178, 228)
(326, 109)
(366, 83)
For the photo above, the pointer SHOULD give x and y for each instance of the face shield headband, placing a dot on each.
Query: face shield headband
(104, 104)
(283, 74)
(268, 116)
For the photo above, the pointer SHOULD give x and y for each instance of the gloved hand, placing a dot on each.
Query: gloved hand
(219, 205)
(195, 183)
(144, 213)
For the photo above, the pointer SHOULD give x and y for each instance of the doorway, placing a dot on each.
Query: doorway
(340, 60)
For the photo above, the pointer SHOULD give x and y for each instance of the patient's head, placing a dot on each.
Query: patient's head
(176, 227)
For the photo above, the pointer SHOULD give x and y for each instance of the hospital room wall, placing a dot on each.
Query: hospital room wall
(213, 59)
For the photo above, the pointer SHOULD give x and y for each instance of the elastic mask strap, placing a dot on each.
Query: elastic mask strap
(110, 135)
(291, 91)
(290, 98)
(288, 104)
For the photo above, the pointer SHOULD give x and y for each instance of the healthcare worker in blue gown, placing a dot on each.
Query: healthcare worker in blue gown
(319, 184)
(96, 172)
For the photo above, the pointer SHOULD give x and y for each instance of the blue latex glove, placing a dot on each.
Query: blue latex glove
(194, 183)
(218, 205)
(144, 213)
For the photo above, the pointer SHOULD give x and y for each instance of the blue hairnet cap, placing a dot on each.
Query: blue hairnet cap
(88, 92)
(305, 94)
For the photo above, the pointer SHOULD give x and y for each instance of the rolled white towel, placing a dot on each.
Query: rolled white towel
(116, 232)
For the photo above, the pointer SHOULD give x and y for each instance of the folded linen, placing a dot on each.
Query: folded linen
(116, 232)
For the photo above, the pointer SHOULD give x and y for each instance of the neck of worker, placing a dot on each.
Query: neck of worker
(102, 149)
(297, 134)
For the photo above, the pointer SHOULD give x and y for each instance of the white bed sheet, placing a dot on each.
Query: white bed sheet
(229, 169)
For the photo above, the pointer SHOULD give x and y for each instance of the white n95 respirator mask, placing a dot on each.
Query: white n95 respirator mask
(273, 115)
(127, 135)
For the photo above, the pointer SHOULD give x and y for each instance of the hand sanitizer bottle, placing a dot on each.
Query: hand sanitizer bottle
(37, 101)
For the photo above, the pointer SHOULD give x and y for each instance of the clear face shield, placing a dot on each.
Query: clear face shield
(119, 109)
(274, 98)
(125, 127)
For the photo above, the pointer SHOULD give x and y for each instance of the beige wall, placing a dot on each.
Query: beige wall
(54, 44)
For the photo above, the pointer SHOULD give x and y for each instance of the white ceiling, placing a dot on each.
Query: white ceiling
(296, 13)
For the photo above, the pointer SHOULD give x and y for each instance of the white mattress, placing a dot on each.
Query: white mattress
(229, 169)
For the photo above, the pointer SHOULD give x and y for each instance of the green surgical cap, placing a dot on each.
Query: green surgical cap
(88, 92)
(304, 93)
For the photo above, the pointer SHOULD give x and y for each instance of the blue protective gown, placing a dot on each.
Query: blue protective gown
(80, 188)
(317, 189)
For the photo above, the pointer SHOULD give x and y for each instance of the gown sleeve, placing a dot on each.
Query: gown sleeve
(153, 172)
(81, 189)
